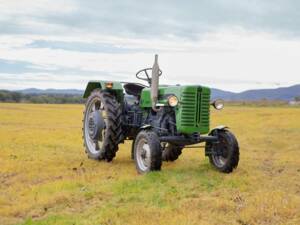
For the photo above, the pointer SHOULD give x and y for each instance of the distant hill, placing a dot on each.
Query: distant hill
(217, 93)
(51, 91)
(285, 93)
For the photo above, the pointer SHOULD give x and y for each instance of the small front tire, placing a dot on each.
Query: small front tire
(171, 152)
(224, 155)
(147, 152)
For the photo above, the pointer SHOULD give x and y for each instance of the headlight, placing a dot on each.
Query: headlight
(218, 104)
(172, 100)
(109, 85)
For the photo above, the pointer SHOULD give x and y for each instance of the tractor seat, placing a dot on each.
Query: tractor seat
(133, 88)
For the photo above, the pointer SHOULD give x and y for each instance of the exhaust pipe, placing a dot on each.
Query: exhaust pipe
(154, 84)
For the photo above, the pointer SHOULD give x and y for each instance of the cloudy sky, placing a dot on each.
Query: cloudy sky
(230, 44)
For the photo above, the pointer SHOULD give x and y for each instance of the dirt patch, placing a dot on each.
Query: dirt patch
(6, 179)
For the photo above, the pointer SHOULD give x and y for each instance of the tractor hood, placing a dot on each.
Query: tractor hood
(192, 111)
(165, 91)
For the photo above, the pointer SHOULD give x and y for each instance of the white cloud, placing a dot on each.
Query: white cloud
(233, 60)
(231, 44)
(35, 7)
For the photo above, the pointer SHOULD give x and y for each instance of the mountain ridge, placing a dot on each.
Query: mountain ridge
(282, 93)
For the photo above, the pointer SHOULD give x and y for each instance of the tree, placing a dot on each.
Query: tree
(297, 98)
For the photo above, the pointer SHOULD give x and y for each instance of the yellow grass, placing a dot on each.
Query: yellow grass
(45, 177)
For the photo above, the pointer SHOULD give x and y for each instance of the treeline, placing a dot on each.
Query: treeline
(17, 97)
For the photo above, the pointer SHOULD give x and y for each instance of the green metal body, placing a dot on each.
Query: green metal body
(192, 112)
(116, 88)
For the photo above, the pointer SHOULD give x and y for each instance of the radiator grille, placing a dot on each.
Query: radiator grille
(189, 108)
(203, 109)
(195, 105)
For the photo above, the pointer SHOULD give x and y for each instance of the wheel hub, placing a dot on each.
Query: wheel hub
(143, 154)
(95, 125)
(222, 150)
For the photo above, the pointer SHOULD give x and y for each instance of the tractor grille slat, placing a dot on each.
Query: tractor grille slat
(204, 109)
(188, 109)
(195, 108)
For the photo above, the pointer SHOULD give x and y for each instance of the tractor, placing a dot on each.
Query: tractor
(161, 120)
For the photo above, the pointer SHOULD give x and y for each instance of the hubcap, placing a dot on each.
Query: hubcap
(143, 155)
(221, 153)
(94, 126)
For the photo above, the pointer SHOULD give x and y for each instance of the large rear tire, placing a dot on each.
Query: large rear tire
(101, 142)
(224, 155)
(147, 152)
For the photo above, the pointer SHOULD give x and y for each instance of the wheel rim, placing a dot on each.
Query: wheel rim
(94, 146)
(221, 160)
(143, 154)
(164, 145)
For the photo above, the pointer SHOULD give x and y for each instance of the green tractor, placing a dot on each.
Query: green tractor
(161, 121)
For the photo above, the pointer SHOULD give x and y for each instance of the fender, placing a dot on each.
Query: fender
(144, 127)
(218, 128)
(116, 88)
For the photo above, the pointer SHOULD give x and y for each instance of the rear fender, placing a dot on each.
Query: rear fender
(116, 88)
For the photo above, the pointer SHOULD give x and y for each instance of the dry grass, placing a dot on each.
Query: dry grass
(45, 178)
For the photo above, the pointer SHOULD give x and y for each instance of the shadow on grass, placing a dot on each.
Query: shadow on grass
(123, 161)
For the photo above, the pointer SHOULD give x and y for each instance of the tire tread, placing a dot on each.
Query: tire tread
(114, 133)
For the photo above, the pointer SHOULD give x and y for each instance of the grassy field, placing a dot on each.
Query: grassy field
(45, 177)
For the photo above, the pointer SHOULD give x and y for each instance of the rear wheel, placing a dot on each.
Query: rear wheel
(102, 130)
(147, 152)
(171, 152)
(224, 155)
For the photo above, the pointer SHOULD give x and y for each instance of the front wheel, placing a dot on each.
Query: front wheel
(171, 152)
(224, 155)
(147, 152)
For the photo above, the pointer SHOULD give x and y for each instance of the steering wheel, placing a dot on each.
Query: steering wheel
(147, 77)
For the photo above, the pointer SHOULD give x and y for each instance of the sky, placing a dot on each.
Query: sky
(233, 45)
